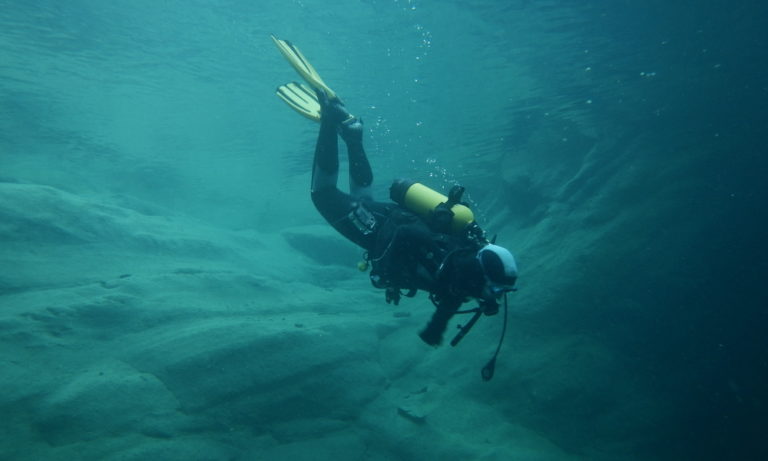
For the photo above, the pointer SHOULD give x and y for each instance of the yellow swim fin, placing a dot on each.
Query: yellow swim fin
(301, 99)
(303, 67)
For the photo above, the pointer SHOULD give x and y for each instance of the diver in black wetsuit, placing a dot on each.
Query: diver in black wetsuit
(407, 252)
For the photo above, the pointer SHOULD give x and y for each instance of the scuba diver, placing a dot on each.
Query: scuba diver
(422, 240)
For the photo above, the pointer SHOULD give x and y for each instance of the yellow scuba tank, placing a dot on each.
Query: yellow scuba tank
(423, 201)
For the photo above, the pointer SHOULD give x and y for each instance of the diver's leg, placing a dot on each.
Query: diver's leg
(334, 205)
(341, 210)
(325, 169)
(360, 174)
(350, 128)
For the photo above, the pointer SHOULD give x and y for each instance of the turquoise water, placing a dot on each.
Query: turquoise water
(615, 146)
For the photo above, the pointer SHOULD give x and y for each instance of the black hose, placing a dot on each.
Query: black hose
(465, 329)
(490, 367)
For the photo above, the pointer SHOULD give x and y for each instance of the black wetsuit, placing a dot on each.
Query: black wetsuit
(405, 253)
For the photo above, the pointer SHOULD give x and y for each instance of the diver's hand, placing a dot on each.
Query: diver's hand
(489, 307)
(431, 335)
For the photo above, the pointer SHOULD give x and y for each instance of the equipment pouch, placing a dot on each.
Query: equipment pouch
(362, 219)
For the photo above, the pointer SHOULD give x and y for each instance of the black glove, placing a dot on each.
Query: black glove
(432, 334)
(489, 307)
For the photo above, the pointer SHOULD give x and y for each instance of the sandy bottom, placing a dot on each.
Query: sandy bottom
(134, 337)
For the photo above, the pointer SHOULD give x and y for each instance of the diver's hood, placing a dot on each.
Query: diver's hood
(498, 265)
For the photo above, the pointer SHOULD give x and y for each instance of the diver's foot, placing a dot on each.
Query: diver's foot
(351, 129)
(332, 110)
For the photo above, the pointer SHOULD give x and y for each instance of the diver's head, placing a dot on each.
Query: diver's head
(499, 268)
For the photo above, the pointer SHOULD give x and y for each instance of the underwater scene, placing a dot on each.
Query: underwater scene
(181, 278)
